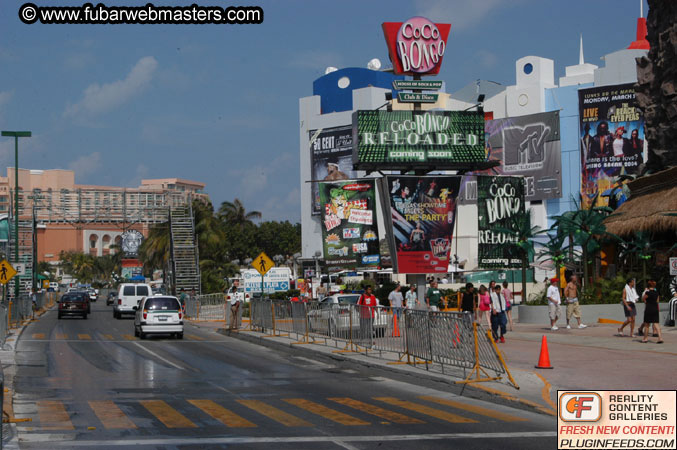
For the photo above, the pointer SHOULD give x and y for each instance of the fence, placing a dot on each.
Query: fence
(211, 307)
(443, 339)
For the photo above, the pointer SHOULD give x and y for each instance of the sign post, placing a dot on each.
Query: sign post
(262, 264)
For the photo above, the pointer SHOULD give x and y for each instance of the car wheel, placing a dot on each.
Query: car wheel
(84, 316)
(142, 335)
(136, 332)
(59, 315)
(179, 335)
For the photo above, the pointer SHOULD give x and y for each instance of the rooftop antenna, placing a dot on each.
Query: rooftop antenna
(581, 61)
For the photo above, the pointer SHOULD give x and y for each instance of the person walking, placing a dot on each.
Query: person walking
(321, 291)
(395, 298)
(235, 300)
(468, 300)
(367, 305)
(573, 307)
(672, 304)
(651, 315)
(411, 298)
(484, 306)
(628, 300)
(433, 297)
(498, 314)
(507, 293)
(554, 302)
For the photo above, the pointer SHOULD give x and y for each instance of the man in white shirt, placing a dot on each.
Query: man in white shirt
(236, 297)
(554, 301)
(498, 314)
(396, 299)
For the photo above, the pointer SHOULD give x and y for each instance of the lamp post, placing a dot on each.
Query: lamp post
(16, 135)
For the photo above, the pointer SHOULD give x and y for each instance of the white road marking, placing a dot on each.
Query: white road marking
(158, 356)
(297, 439)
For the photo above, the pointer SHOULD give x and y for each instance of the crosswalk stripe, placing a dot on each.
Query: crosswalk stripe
(377, 411)
(167, 415)
(38, 335)
(61, 336)
(475, 409)
(108, 337)
(111, 416)
(129, 337)
(228, 418)
(84, 336)
(433, 412)
(53, 416)
(277, 415)
(327, 413)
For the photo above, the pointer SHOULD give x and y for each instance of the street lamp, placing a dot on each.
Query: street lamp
(16, 135)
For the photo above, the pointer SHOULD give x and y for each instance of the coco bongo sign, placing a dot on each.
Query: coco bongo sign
(416, 47)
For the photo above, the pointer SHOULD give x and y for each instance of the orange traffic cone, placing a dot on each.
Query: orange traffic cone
(544, 358)
(396, 329)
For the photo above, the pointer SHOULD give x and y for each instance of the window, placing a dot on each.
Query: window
(128, 290)
(528, 68)
(161, 304)
(351, 299)
(142, 291)
(73, 298)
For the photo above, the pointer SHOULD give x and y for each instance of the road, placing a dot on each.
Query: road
(92, 384)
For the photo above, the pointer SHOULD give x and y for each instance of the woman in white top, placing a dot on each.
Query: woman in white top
(411, 298)
(629, 299)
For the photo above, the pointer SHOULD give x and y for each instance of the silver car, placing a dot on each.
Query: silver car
(334, 315)
(160, 314)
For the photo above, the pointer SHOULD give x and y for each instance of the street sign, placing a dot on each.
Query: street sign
(7, 272)
(399, 85)
(262, 263)
(415, 97)
(673, 266)
(20, 268)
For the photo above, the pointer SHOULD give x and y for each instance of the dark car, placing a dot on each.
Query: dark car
(111, 298)
(74, 304)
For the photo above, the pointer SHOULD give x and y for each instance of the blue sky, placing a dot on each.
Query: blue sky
(219, 103)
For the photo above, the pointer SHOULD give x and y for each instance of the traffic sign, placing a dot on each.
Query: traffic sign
(262, 263)
(415, 97)
(20, 268)
(399, 85)
(673, 266)
(7, 272)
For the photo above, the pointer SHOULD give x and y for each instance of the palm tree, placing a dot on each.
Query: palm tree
(155, 249)
(234, 213)
(553, 250)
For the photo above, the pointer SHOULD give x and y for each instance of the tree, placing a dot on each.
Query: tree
(234, 213)
(155, 249)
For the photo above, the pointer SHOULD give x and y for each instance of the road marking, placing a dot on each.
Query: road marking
(228, 418)
(167, 415)
(545, 392)
(84, 336)
(108, 337)
(38, 335)
(327, 413)
(475, 409)
(61, 336)
(53, 416)
(204, 441)
(128, 337)
(158, 356)
(277, 415)
(433, 412)
(194, 338)
(374, 410)
(111, 416)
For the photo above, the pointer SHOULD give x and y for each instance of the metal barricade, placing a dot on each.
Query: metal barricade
(451, 340)
(3, 324)
(417, 328)
(283, 316)
(191, 307)
(389, 334)
(211, 307)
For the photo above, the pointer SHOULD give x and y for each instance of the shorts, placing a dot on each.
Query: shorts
(573, 309)
(554, 310)
(632, 312)
(434, 308)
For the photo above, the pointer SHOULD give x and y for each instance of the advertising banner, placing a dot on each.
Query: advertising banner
(611, 138)
(276, 279)
(405, 140)
(500, 202)
(331, 151)
(422, 213)
(349, 228)
(416, 47)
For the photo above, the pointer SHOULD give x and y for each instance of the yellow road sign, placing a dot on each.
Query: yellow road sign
(262, 263)
(7, 272)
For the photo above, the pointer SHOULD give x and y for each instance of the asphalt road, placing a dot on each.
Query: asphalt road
(92, 384)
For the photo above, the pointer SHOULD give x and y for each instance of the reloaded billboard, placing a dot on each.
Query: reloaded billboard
(349, 228)
(331, 151)
(611, 139)
(420, 215)
(405, 140)
(500, 204)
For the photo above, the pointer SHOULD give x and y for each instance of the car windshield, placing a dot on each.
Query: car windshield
(142, 291)
(73, 298)
(348, 299)
(160, 304)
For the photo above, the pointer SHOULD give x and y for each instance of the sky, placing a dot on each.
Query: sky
(219, 103)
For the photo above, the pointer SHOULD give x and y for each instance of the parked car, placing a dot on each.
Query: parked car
(160, 314)
(110, 299)
(129, 296)
(333, 316)
(74, 303)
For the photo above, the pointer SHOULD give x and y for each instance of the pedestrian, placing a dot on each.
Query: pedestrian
(367, 305)
(235, 300)
(507, 293)
(182, 298)
(554, 301)
(468, 300)
(672, 305)
(629, 298)
(573, 307)
(321, 291)
(651, 316)
(34, 302)
(411, 298)
(396, 300)
(433, 297)
(498, 314)
(485, 305)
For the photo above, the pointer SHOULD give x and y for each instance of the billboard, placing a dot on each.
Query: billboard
(500, 204)
(349, 228)
(421, 212)
(611, 138)
(406, 140)
(331, 151)
(417, 46)
(277, 279)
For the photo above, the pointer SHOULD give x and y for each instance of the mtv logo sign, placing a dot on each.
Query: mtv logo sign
(524, 147)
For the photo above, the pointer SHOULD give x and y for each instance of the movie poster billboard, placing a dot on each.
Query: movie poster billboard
(500, 203)
(611, 139)
(421, 212)
(331, 152)
(349, 227)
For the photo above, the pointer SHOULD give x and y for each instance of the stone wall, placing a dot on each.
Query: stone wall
(657, 85)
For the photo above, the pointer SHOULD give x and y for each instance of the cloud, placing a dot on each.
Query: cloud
(487, 59)
(78, 61)
(5, 97)
(462, 14)
(254, 179)
(315, 60)
(98, 99)
(84, 165)
(283, 207)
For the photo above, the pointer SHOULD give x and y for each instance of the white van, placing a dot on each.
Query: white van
(129, 296)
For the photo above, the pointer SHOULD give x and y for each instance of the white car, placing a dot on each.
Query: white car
(333, 316)
(160, 314)
(129, 296)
